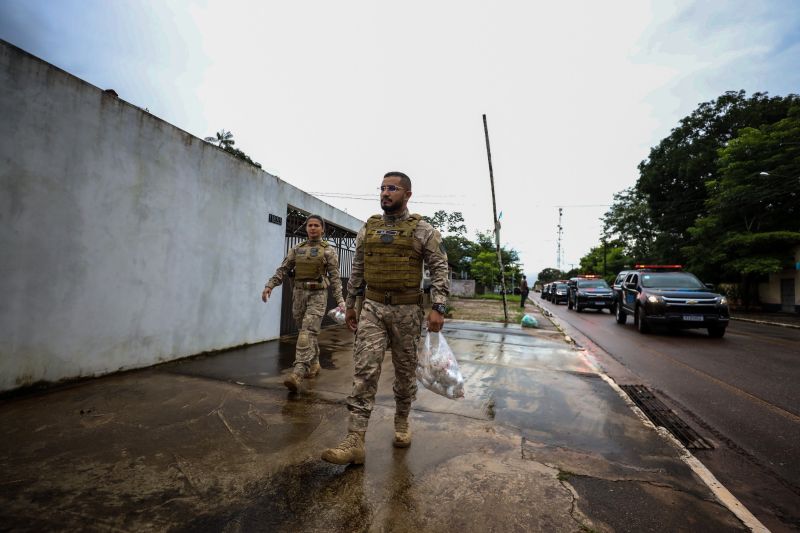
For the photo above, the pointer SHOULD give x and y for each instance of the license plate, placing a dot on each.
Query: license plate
(595, 303)
(693, 318)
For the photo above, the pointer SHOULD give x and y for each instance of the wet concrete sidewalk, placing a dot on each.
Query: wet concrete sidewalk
(215, 443)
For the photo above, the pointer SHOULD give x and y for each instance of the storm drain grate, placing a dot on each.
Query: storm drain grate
(661, 415)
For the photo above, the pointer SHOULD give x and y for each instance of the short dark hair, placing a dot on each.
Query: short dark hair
(322, 222)
(405, 181)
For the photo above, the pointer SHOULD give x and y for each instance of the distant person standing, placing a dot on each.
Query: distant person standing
(390, 251)
(523, 291)
(316, 267)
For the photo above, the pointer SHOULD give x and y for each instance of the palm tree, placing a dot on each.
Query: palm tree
(224, 139)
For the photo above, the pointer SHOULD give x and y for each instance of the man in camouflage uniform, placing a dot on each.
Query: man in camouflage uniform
(390, 250)
(316, 266)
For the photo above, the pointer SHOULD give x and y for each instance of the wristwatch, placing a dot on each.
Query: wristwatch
(439, 308)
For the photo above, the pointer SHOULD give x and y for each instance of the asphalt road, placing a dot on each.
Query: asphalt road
(741, 392)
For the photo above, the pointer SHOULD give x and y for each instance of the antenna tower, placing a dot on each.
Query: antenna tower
(560, 234)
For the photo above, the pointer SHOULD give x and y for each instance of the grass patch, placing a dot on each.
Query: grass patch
(492, 296)
(484, 309)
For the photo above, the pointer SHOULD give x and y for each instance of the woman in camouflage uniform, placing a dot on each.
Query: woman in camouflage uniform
(316, 266)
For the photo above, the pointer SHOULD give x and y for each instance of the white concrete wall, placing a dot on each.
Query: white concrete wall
(770, 292)
(125, 241)
(462, 287)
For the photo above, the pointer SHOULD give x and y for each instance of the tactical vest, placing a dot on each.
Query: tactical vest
(309, 261)
(390, 262)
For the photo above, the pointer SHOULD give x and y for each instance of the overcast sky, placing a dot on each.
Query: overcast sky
(331, 95)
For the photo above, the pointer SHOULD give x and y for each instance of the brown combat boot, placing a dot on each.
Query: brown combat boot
(313, 370)
(402, 433)
(349, 451)
(293, 381)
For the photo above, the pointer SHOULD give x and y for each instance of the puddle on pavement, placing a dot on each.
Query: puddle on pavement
(255, 364)
(313, 495)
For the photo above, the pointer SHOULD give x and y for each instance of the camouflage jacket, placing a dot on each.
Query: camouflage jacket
(331, 268)
(427, 242)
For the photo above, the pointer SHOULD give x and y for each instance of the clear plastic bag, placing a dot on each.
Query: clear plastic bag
(337, 315)
(437, 368)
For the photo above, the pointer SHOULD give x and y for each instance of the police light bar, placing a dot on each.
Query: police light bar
(589, 276)
(659, 267)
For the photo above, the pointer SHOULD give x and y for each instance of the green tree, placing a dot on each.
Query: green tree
(223, 138)
(512, 268)
(630, 223)
(673, 178)
(472, 257)
(549, 274)
(484, 268)
(605, 260)
(448, 223)
(459, 252)
(752, 223)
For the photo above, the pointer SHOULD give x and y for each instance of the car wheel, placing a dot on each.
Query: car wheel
(716, 332)
(620, 314)
(578, 307)
(641, 321)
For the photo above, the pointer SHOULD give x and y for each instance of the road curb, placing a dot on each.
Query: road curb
(766, 322)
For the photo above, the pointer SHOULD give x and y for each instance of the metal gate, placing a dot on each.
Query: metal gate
(343, 241)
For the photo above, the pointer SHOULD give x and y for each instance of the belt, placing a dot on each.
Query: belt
(394, 297)
(311, 285)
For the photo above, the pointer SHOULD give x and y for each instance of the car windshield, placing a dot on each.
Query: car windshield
(671, 280)
(593, 284)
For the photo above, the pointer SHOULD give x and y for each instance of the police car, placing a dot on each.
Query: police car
(589, 292)
(665, 294)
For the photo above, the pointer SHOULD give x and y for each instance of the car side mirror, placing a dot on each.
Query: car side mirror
(709, 286)
(630, 285)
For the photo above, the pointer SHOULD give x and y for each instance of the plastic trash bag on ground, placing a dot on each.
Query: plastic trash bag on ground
(337, 314)
(529, 322)
(437, 368)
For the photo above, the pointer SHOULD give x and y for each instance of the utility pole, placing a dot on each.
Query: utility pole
(496, 222)
(560, 233)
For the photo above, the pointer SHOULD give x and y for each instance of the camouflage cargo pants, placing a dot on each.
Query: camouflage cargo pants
(381, 326)
(308, 309)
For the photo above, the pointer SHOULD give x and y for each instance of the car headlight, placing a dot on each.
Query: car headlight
(581, 293)
(722, 300)
(653, 299)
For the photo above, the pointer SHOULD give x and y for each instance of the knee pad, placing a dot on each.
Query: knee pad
(303, 340)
